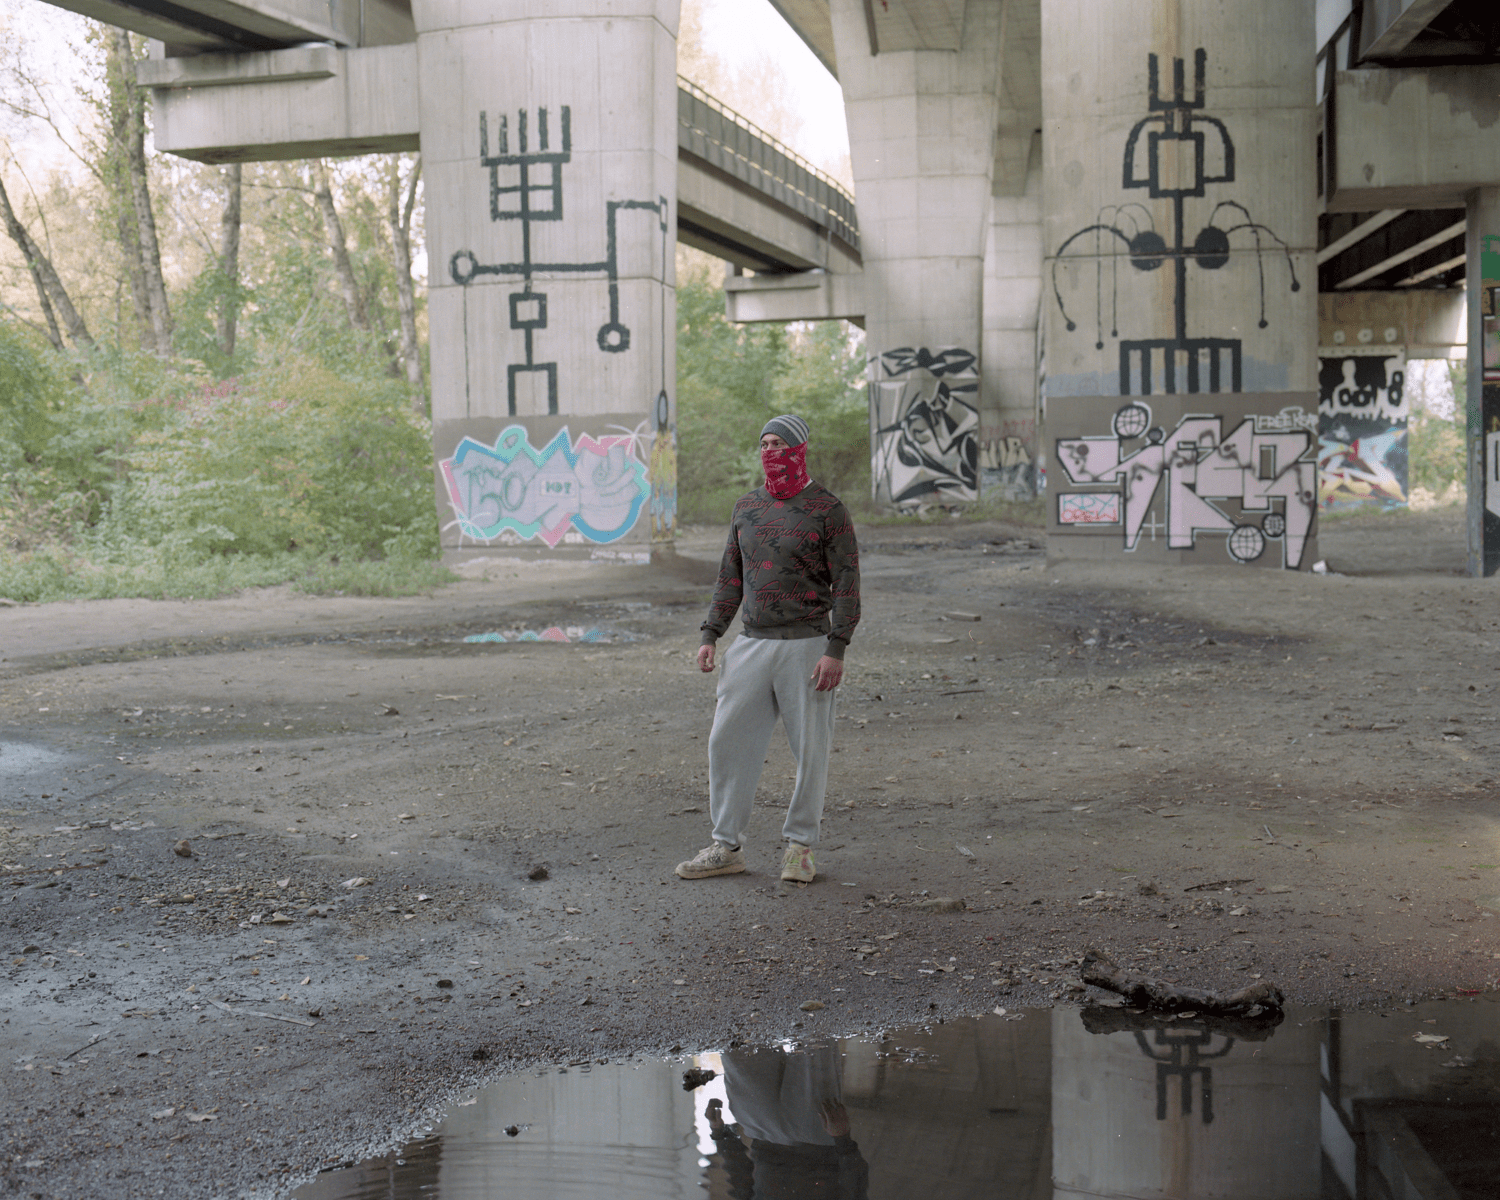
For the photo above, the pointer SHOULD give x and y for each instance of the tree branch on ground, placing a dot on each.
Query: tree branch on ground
(1141, 991)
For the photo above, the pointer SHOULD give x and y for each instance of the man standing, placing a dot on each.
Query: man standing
(792, 563)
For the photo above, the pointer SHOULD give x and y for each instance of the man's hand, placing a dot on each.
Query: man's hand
(835, 1119)
(715, 1110)
(705, 659)
(828, 674)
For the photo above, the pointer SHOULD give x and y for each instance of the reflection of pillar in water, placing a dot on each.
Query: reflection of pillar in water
(1181, 1115)
(617, 1133)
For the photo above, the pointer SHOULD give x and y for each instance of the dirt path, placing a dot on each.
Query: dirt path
(1079, 764)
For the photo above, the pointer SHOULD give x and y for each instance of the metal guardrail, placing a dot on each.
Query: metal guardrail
(724, 139)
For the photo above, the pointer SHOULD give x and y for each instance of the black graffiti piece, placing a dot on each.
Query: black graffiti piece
(1355, 383)
(1177, 142)
(930, 450)
(952, 361)
(1184, 1051)
(527, 186)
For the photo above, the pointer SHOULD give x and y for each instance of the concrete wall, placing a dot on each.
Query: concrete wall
(1430, 324)
(1483, 252)
(1180, 223)
(1412, 138)
(550, 158)
(1008, 449)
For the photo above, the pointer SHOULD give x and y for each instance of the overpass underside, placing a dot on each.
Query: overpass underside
(1168, 260)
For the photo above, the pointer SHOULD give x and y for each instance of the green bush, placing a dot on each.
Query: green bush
(128, 476)
(1435, 445)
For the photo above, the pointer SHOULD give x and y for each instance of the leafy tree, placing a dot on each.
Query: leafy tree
(731, 380)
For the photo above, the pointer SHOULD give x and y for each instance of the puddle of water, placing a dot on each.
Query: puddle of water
(20, 759)
(1058, 1103)
(594, 634)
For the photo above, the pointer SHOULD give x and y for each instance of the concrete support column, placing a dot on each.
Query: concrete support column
(1012, 296)
(921, 139)
(550, 159)
(1483, 248)
(1180, 288)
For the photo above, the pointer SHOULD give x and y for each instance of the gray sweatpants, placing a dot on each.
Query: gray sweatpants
(762, 679)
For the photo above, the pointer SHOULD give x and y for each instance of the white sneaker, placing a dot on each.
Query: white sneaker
(714, 859)
(797, 865)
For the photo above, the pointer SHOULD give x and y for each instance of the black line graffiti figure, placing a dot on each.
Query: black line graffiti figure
(527, 186)
(1176, 169)
(1185, 1050)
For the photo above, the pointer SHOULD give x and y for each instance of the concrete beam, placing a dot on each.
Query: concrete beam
(362, 106)
(916, 25)
(722, 216)
(1358, 234)
(190, 27)
(807, 296)
(1430, 323)
(1431, 272)
(813, 23)
(227, 24)
(1389, 26)
(223, 70)
(1412, 138)
(1401, 256)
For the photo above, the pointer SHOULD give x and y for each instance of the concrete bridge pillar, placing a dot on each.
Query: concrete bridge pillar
(550, 157)
(921, 139)
(1483, 399)
(1180, 288)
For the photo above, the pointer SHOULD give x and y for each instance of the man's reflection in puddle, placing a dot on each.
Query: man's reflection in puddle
(789, 1110)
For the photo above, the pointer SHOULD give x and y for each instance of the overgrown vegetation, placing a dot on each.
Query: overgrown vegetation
(1435, 437)
(125, 476)
(210, 377)
(732, 379)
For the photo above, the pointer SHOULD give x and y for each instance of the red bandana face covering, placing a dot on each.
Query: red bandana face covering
(786, 470)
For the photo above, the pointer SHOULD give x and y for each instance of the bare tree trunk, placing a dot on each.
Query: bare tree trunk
(50, 291)
(399, 215)
(333, 228)
(129, 95)
(226, 319)
(116, 176)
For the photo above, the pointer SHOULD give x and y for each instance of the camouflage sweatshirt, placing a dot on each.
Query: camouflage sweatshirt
(794, 566)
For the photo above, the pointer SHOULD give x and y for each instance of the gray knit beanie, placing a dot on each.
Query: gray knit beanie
(791, 430)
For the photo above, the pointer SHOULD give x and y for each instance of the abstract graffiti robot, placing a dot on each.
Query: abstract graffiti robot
(1262, 461)
(1176, 167)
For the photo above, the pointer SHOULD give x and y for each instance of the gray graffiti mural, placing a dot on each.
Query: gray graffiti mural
(1256, 485)
(924, 418)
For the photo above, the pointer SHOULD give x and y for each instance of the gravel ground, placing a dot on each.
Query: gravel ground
(414, 862)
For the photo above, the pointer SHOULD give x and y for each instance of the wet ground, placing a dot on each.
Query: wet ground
(415, 860)
(1021, 1102)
